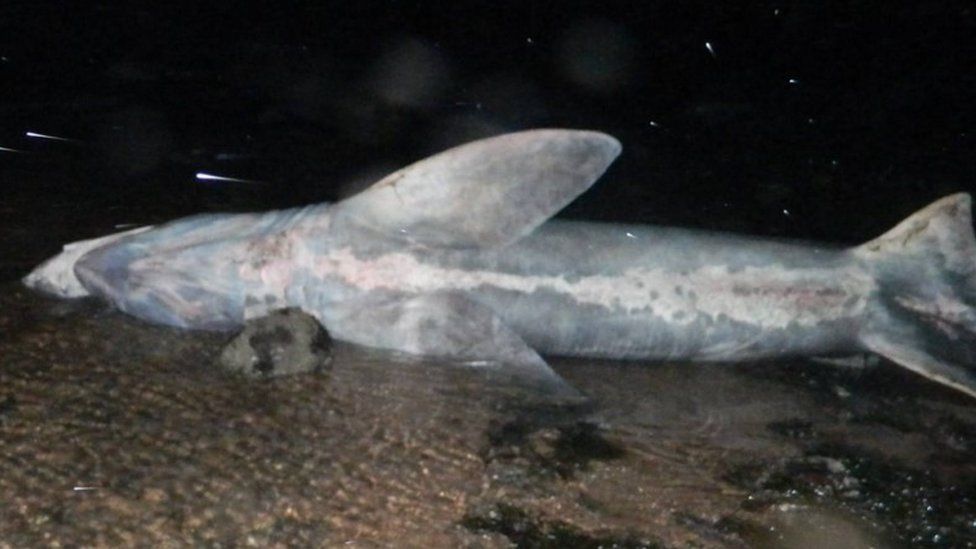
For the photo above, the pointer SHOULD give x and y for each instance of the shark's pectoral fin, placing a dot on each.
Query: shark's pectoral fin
(483, 194)
(451, 326)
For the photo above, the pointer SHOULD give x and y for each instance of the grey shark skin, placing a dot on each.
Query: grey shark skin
(456, 256)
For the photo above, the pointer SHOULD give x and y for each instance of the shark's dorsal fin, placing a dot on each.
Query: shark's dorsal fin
(487, 193)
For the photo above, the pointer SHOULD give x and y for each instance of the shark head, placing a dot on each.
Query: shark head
(56, 276)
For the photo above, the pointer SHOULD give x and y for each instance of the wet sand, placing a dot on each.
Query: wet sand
(113, 432)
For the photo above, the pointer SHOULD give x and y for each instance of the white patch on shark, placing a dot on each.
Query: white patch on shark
(770, 297)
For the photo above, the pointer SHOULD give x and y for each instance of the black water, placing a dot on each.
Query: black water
(823, 120)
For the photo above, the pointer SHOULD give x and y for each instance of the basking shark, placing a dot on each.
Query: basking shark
(457, 257)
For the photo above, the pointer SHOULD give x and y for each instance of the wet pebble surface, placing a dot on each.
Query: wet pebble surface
(113, 432)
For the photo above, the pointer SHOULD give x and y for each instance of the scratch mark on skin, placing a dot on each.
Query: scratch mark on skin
(391, 182)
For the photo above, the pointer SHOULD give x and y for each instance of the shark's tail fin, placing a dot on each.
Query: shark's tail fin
(923, 316)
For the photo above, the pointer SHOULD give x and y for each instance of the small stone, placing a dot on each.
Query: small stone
(284, 342)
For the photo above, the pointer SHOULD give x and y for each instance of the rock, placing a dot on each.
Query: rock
(284, 342)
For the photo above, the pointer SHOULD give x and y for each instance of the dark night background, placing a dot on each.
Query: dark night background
(821, 120)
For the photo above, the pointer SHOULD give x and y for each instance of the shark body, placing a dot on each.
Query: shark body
(456, 256)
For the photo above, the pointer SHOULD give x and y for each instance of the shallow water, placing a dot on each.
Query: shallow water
(116, 432)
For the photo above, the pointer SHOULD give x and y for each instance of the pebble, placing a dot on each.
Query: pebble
(285, 342)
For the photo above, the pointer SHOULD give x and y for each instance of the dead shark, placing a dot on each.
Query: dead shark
(456, 256)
